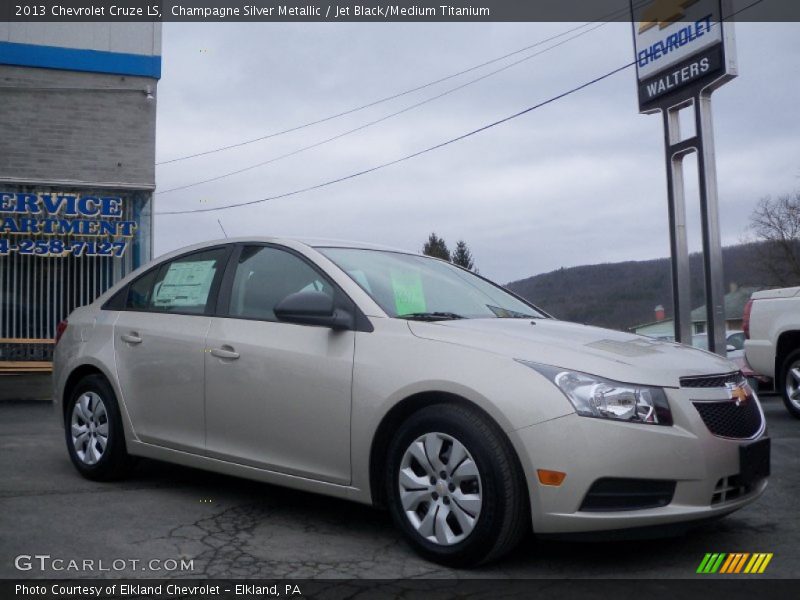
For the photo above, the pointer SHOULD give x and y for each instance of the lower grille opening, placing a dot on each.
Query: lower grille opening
(729, 488)
(612, 494)
(729, 419)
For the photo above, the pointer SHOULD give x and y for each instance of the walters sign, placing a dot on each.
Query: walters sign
(681, 46)
(52, 224)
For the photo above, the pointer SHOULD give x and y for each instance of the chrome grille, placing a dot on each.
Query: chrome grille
(712, 381)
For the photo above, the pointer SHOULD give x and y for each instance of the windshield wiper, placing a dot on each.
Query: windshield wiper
(431, 316)
(507, 313)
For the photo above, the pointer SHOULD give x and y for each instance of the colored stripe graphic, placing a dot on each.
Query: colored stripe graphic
(711, 563)
(703, 563)
(758, 563)
(766, 562)
(734, 563)
(740, 564)
(723, 563)
(732, 558)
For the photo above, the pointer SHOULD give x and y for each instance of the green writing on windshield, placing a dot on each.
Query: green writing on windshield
(409, 296)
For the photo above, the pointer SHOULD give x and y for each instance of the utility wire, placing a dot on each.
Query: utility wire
(431, 148)
(604, 18)
(380, 120)
(409, 156)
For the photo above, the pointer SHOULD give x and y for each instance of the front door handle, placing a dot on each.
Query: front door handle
(131, 338)
(225, 352)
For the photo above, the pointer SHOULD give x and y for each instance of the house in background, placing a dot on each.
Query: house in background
(734, 308)
(660, 328)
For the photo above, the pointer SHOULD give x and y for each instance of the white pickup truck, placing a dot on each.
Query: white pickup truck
(772, 328)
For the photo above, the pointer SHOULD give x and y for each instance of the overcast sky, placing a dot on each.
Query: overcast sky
(580, 181)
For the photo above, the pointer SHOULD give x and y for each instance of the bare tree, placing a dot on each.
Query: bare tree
(776, 223)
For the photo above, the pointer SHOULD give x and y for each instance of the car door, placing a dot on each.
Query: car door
(277, 394)
(159, 340)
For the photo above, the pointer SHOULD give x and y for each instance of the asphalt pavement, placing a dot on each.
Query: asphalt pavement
(233, 528)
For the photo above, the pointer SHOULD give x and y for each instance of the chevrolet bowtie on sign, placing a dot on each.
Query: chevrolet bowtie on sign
(663, 13)
(734, 563)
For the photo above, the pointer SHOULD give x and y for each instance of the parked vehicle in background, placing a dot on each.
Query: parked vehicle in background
(772, 347)
(735, 353)
(734, 340)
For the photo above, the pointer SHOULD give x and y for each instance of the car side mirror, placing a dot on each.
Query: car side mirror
(311, 307)
(731, 348)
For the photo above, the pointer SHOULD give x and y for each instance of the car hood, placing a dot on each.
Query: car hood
(602, 352)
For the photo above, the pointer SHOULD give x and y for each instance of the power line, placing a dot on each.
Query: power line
(381, 119)
(435, 147)
(409, 156)
(604, 18)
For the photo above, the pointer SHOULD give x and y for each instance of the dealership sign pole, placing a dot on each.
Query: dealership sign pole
(684, 51)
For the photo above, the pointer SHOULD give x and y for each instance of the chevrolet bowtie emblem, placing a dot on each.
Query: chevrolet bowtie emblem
(663, 13)
(738, 393)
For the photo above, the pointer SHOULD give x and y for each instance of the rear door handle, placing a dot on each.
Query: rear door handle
(131, 338)
(225, 352)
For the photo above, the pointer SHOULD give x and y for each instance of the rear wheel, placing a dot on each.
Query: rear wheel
(93, 429)
(454, 487)
(790, 383)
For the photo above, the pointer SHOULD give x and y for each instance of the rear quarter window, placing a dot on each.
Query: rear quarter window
(183, 285)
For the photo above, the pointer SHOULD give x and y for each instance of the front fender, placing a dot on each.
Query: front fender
(391, 365)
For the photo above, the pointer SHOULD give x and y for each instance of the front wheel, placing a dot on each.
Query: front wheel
(454, 486)
(93, 428)
(790, 383)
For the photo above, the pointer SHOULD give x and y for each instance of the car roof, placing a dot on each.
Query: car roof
(310, 242)
(334, 243)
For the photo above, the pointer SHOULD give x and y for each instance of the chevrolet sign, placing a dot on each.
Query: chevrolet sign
(679, 43)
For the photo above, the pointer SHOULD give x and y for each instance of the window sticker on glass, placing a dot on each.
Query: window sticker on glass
(409, 295)
(185, 284)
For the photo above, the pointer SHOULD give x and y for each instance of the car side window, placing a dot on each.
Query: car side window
(139, 291)
(266, 275)
(181, 285)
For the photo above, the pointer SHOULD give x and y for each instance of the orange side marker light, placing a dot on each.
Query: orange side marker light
(546, 477)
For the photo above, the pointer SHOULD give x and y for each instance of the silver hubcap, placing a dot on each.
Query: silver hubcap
(89, 427)
(793, 384)
(440, 488)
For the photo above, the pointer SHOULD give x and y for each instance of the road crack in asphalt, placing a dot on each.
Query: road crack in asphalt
(268, 539)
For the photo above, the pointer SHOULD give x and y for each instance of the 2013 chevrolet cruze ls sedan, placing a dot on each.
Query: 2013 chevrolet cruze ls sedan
(401, 380)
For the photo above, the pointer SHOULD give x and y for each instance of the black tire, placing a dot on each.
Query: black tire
(114, 463)
(504, 516)
(793, 360)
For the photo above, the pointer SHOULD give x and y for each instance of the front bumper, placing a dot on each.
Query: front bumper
(586, 449)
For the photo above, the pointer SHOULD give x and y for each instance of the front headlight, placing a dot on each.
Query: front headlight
(594, 396)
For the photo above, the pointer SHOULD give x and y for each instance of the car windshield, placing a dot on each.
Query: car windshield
(417, 287)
